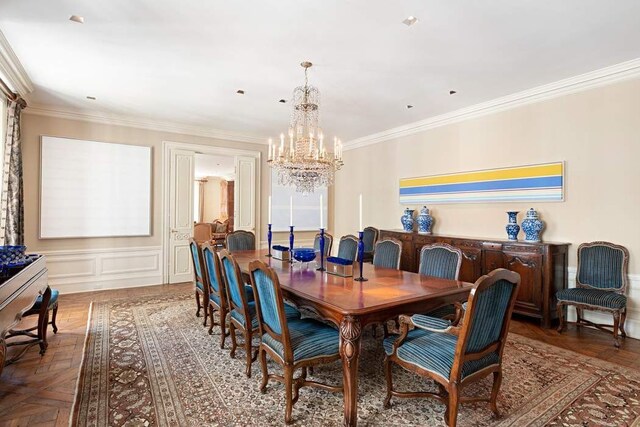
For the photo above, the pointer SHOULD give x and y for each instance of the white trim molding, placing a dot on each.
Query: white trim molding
(632, 325)
(12, 69)
(84, 270)
(100, 117)
(604, 76)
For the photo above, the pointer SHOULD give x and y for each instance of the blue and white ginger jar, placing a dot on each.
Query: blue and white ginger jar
(425, 221)
(407, 220)
(512, 226)
(532, 226)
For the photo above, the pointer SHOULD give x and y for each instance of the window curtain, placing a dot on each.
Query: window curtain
(201, 183)
(12, 206)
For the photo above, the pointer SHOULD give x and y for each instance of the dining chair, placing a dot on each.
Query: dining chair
(200, 289)
(202, 232)
(242, 311)
(348, 247)
(43, 320)
(457, 356)
(601, 283)
(444, 261)
(328, 243)
(369, 238)
(387, 254)
(217, 290)
(293, 343)
(240, 240)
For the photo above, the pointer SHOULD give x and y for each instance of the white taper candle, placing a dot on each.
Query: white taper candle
(269, 209)
(290, 210)
(360, 229)
(321, 209)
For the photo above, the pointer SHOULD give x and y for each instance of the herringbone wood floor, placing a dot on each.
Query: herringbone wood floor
(39, 390)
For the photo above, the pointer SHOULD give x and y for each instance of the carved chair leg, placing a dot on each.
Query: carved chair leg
(497, 380)
(616, 327)
(43, 322)
(223, 326)
(579, 314)
(205, 307)
(198, 303)
(234, 343)
(452, 407)
(623, 317)
(55, 314)
(211, 322)
(388, 376)
(265, 372)
(288, 388)
(560, 310)
(247, 348)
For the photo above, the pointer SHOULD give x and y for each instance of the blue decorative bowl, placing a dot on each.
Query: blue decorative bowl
(304, 254)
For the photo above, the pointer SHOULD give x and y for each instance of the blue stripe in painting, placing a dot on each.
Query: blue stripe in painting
(509, 184)
(462, 198)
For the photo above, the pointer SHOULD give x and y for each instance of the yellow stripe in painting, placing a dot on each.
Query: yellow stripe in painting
(552, 169)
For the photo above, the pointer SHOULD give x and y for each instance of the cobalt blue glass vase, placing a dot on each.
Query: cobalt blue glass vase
(407, 220)
(532, 226)
(425, 221)
(512, 226)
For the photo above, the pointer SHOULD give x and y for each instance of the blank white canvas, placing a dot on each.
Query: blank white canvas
(306, 208)
(94, 189)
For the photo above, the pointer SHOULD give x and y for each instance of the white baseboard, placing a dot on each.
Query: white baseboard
(632, 324)
(99, 269)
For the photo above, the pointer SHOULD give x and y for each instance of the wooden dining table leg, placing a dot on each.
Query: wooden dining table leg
(350, 334)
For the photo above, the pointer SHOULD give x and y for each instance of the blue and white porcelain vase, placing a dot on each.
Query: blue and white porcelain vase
(424, 221)
(532, 226)
(512, 227)
(407, 220)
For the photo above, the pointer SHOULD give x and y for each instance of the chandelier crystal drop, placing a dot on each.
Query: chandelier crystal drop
(301, 159)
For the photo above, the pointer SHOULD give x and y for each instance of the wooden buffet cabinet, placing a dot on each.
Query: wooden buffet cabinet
(542, 266)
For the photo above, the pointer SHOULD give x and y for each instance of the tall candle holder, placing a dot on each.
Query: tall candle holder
(269, 236)
(360, 256)
(291, 243)
(321, 242)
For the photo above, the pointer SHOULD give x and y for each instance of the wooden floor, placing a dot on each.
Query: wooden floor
(39, 390)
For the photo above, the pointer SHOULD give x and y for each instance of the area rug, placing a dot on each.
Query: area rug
(150, 362)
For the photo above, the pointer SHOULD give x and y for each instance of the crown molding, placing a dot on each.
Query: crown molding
(12, 69)
(139, 123)
(604, 76)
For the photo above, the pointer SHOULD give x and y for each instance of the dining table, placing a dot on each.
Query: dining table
(352, 305)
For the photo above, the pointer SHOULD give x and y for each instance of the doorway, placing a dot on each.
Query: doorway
(180, 200)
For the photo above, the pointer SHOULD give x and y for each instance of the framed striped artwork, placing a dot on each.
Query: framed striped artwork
(543, 182)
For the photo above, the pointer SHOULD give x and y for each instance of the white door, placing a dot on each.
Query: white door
(244, 193)
(181, 173)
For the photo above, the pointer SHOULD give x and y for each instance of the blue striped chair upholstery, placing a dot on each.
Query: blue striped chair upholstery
(443, 261)
(328, 242)
(240, 240)
(217, 290)
(456, 356)
(198, 281)
(291, 342)
(369, 238)
(601, 283)
(387, 254)
(348, 247)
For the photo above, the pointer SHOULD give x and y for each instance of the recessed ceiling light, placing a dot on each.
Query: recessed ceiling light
(77, 18)
(410, 21)
(409, 106)
(282, 100)
(240, 91)
(452, 92)
(93, 98)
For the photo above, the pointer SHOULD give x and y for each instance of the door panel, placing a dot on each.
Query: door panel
(528, 266)
(471, 268)
(180, 215)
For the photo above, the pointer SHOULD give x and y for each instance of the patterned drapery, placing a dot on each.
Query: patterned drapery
(201, 183)
(12, 207)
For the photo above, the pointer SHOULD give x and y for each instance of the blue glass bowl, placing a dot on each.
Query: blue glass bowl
(304, 254)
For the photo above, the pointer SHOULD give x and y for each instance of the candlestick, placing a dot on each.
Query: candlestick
(360, 256)
(321, 244)
(291, 243)
(269, 236)
(291, 211)
(360, 229)
(321, 212)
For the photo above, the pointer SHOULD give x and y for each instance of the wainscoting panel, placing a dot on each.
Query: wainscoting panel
(97, 269)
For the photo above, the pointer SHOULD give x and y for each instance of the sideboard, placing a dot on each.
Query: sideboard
(542, 266)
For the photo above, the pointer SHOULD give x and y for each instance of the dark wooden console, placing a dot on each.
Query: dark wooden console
(542, 266)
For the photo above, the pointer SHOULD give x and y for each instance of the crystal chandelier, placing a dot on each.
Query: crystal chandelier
(304, 162)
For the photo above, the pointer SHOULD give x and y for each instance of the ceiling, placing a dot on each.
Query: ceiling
(216, 166)
(183, 62)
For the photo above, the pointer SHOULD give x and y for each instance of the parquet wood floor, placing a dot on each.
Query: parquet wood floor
(39, 390)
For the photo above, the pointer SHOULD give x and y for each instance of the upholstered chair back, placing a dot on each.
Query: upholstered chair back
(197, 263)
(440, 260)
(212, 266)
(603, 265)
(202, 232)
(387, 254)
(328, 243)
(233, 278)
(240, 240)
(348, 247)
(268, 297)
(486, 320)
(369, 238)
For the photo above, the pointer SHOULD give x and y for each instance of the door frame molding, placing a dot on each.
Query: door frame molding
(167, 146)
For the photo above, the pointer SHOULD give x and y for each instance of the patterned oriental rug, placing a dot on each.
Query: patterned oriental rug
(150, 362)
